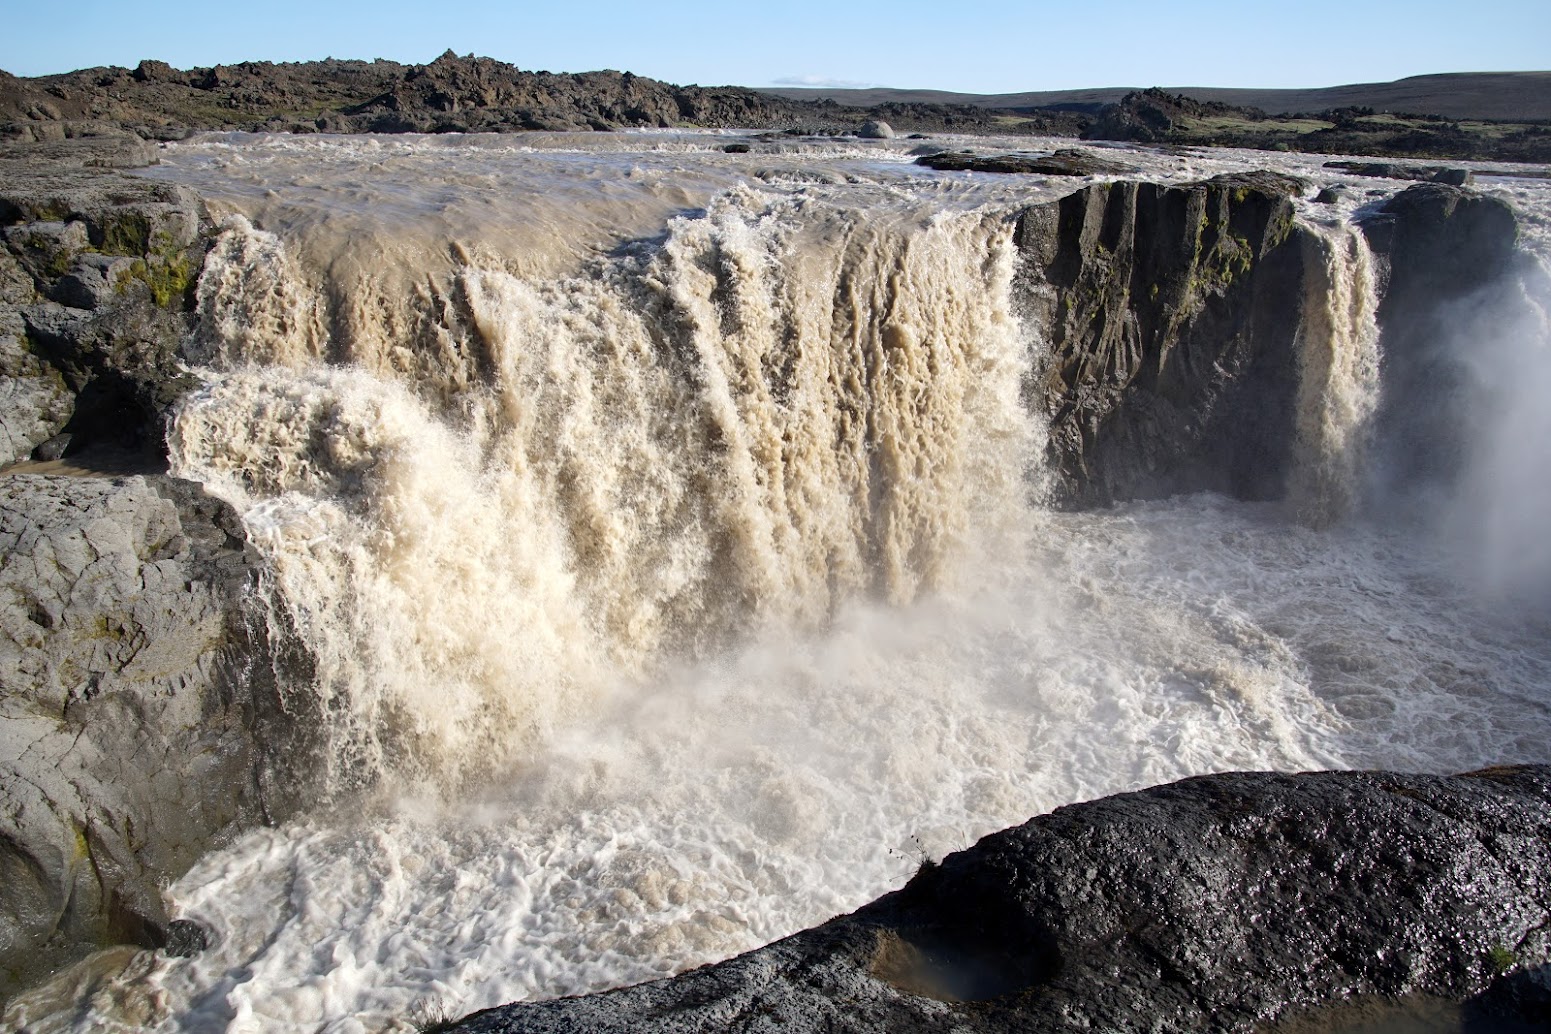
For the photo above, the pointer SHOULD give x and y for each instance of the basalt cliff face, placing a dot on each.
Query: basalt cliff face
(143, 711)
(1171, 313)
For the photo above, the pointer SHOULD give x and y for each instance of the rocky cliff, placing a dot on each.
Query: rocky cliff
(1447, 252)
(1220, 903)
(1171, 313)
(96, 279)
(141, 716)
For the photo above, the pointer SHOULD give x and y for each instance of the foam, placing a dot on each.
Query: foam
(661, 522)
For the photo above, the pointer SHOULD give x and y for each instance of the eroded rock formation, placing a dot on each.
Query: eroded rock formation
(140, 716)
(95, 295)
(1171, 314)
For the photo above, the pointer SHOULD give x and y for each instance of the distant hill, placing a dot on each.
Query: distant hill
(1506, 96)
(1427, 116)
(450, 94)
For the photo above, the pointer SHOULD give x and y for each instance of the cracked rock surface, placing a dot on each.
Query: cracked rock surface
(1219, 903)
(133, 686)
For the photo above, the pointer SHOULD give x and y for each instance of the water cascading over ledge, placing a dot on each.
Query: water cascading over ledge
(647, 429)
(1177, 316)
(787, 404)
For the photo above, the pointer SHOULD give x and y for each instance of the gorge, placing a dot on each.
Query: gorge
(506, 568)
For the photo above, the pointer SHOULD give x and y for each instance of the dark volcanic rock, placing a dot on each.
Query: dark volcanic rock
(1151, 116)
(451, 94)
(1068, 162)
(97, 273)
(1393, 171)
(1213, 904)
(1446, 253)
(1172, 315)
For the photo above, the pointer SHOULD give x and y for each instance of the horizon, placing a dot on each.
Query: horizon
(993, 47)
(825, 87)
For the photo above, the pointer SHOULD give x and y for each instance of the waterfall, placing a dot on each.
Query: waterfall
(506, 492)
(1338, 361)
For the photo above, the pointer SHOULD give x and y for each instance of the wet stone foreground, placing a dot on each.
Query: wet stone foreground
(1224, 902)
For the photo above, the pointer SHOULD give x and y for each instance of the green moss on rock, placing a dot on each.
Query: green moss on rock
(126, 233)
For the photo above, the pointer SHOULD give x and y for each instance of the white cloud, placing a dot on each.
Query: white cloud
(821, 81)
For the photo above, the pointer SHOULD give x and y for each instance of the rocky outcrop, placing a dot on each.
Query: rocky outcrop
(1395, 171)
(140, 717)
(96, 279)
(470, 94)
(1446, 252)
(1065, 162)
(450, 94)
(1170, 364)
(1215, 904)
(1155, 115)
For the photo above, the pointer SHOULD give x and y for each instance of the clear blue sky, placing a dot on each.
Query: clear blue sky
(978, 46)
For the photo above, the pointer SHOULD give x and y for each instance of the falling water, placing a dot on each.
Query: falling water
(1338, 364)
(578, 479)
(660, 521)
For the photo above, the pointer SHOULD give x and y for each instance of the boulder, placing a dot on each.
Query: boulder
(1221, 903)
(876, 130)
(139, 707)
(1065, 162)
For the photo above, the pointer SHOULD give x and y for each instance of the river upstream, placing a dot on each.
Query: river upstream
(671, 533)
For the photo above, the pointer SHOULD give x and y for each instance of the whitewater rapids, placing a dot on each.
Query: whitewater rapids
(667, 528)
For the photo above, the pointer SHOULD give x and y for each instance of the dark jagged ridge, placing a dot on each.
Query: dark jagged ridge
(470, 94)
(451, 94)
(1212, 904)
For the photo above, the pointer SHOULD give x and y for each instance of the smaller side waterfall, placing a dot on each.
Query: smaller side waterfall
(1338, 359)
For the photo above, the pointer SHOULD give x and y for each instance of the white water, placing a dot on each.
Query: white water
(1338, 365)
(676, 595)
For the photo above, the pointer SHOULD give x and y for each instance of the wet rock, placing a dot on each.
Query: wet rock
(52, 449)
(185, 939)
(137, 688)
(1214, 904)
(1067, 162)
(875, 130)
(1170, 365)
(1446, 252)
(1402, 171)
